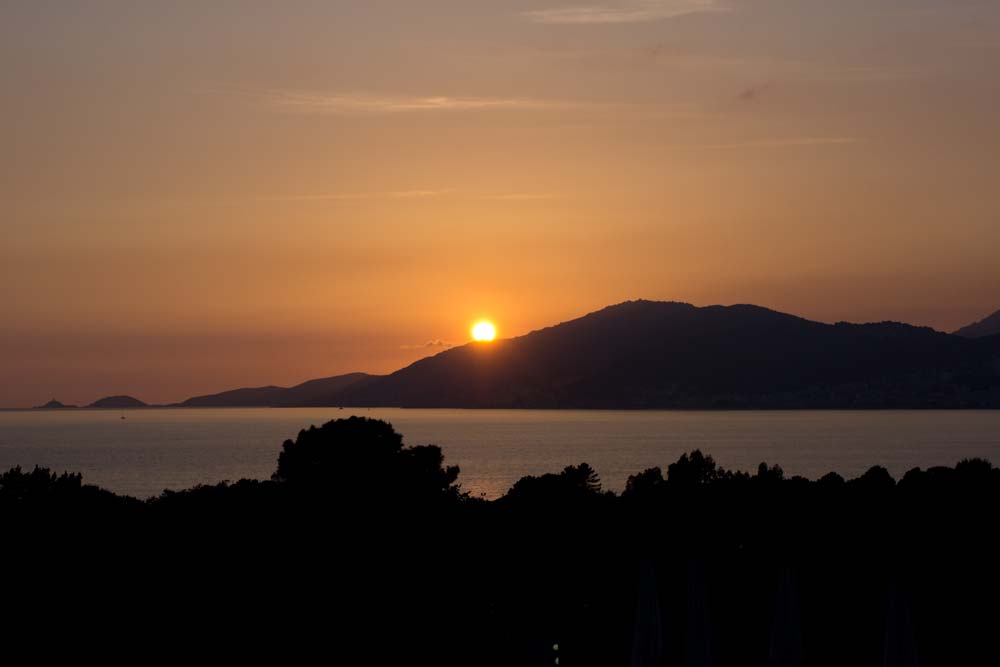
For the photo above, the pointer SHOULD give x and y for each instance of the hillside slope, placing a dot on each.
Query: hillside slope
(311, 393)
(989, 326)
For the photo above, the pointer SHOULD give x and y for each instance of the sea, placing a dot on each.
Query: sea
(143, 452)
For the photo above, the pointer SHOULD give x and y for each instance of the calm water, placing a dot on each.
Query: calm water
(153, 450)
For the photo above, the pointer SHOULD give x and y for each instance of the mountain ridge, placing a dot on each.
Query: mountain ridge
(301, 395)
(647, 354)
(988, 326)
(670, 354)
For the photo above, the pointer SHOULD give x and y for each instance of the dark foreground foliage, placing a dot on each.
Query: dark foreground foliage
(361, 550)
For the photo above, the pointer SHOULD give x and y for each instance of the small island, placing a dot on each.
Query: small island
(55, 405)
(118, 402)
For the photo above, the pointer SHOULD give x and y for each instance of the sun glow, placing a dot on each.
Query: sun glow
(483, 332)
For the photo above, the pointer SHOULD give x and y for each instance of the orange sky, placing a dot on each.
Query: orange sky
(195, 198)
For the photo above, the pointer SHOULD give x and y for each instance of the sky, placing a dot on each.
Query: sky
(196, 196)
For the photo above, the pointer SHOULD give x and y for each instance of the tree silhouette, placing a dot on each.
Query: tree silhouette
(695, 468)
(356, 456)
(584, 477)
(644, 484)
(770, 475)
(356, 520)
(974, 470)
(575, 484)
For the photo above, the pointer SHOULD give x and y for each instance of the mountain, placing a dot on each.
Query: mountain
(257, 397)
(125, 402)
(320, 392)
(54, 405)
(645, 354)
(987, 327)
(649, 354)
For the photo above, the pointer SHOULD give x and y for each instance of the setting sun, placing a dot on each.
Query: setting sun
(483, 332)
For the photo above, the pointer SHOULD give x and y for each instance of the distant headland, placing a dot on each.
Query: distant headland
(109, 402)
(56, 405)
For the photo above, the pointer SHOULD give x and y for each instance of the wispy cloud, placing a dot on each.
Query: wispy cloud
(980, 44)
(351, 196)
(775, 70)
(256, 200)
(519, 196)
(344, 104)
(787, 142)
(431, 344)
(311, 102)
(865, 73)
(413, 194)
(381, 195)
(753, 93)
(634, 11)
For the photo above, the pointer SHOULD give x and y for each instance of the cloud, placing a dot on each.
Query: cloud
(299, 102)
(788, 142)
(255, 200)
(317, 103)
(351, 196)
(519, 196)
(980, 44)
(634, 11)
(752, 93)
(429, 344)
(383, 195)
(777, 70)
(865, 73)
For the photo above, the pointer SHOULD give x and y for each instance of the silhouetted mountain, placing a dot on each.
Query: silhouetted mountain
(118, 402)
(986, 327)
(644, 354)
(322, 392)
(312, 393)
(54, 405)
(257, 397)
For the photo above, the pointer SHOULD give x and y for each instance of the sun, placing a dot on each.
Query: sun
(483, 332)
